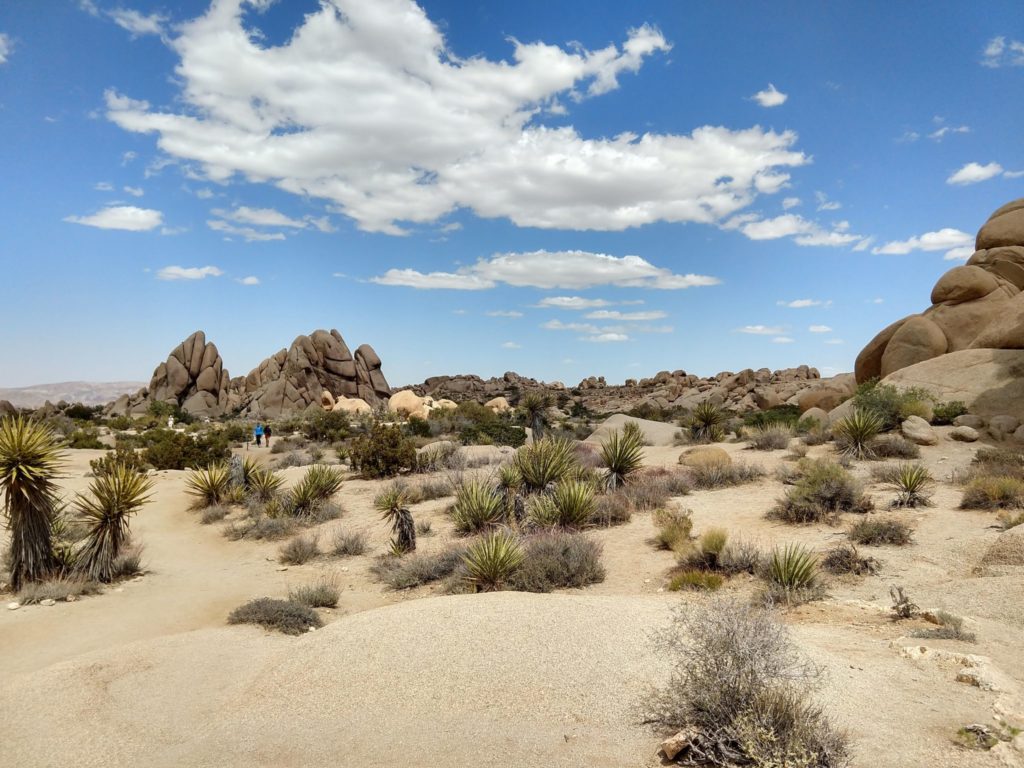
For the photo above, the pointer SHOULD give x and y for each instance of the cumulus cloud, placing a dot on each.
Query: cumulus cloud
(6, 46)
(803, 231)
(550, 269)
(1000, 52)
(953, 241)
(367, 107)
(762, 330)
(138, 23)
(250, 280)
(804, 303)
(770, 97)
(188, 273)
(972, 173)
(126, 217)
(504, 313)
(819, 329)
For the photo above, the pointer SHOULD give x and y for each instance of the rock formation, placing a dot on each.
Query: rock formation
(975, 306)
(193, 377)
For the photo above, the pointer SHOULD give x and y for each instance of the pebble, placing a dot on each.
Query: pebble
(13, 606)
(71, 598)
(48, 602)
(283, 568)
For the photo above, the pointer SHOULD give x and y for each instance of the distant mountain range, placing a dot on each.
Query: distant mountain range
(87, 392)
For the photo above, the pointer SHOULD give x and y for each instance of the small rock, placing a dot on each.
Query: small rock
(48, 602)
(969, 420)
(964, 434)
(71, 598)
(675, 745)
(282, 568)
(919, 431)
(13, 606)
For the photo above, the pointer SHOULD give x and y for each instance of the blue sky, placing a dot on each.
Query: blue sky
(559, 189)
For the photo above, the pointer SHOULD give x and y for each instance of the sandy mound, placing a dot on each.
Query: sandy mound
(655, 432)
(501, 679)
(1008, 548)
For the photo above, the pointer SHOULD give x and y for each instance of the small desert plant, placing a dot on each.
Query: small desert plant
(877, 532)
(710, 546)
(417, 568)
(428, 490)
(911, 482)
(105, 511)
(573, 503)
(318, 485)
(535, 406)
(209, 486)
(993, 492)
(299, 550)
(439, 456)
(696, 579)
(793, 569)
(844, 558)
(711, 476)
(855, 433)
(769, 438)
(622, 454)
(611, 509)
(393, 504)
(348, 544)
(949, 627)
(259, 527)
(652, 488)
(1008, 521)
(894, 447)
(285, 616)
(383, 452)
(674, 528)
(824, 490)
(902, 606)
(945, 413)
(478, 506)
(705, 423)
(797, 451)
(424, 528)
(891, 405)
(61, 588)
(544, 462)
(124, 455)
(740, 556)
(558, 560)
(491, 560)
(263, 484)
(322, 593)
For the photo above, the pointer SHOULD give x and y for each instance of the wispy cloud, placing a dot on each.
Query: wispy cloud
(124, 217)
(805, 303)
(137, 23)
(188, 273)
(955, 242)
(824, 204)
(511, 313)
(576, 303)
(6, 46)
(606, 314)
(511, 345)
(782, 340)
(250, 280)
(762, 330)
(1003, 52)
(819, 329)
(135, 191)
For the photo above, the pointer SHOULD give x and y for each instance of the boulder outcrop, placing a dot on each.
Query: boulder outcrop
(193, 378)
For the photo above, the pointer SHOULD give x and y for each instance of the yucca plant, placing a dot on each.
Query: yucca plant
(492, 559)
(478, 506)
(574, 503)
(106, 510)
(793, 568)
(393, 504)
(544, 462)
(535, 406)
(622, 453)
(315, 488)
(30, 460)
(264, 484)
(250, 468)
(705, 423)
(911, 482)
(209, 485)
(510, 483)
(855, 432)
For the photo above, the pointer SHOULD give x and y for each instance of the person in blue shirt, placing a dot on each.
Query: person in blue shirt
(258, 433)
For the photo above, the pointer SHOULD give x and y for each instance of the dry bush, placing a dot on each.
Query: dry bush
(57, 589)
(1008, 520)
(322, 593)
(894, 447)
(1002, 462)
(743, 692)
(902, 606)
(711, 476)
(285, 616)
(347, 543)
(824, 490)
(213, 514)
(845, 559)
(949, 627)
(674, 528)
(611, 509)
(797, 451)
(557, 560)
(769, 438)
(259, 526)
(877, 532)
(650, 489)
(993, 492)
(740, 556)
(417, 568)
(299, 550)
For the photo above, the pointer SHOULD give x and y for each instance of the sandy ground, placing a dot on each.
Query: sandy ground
(148, 674)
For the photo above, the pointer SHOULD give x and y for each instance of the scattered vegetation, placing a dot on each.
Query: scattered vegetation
(902, 606)
(299, 550)
(855, 434)
(912, 483)
(285, 616)
(876, 532)
(122, 456)
(348, 544)
(652, 488)
(823, 490)
(383, 452)
(168, 449)
(891, 405)
(557, 560)
(993, 492)
(696, 579)
(711, 476)
(949, 627)
(945, 413)
(322, 593)
(845, 559)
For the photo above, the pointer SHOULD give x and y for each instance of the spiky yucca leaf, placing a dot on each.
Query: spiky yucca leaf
(492, 559)
(250, 468)
(264, 484)
(911, 482)
(574, 503)
(622, 454)
(316, 487)
(544, 462)
(793, 567)
(209, 485)
(393, 503)
(111, 501)
(30, 460)
(477, 506)
(705, 423)
(855, 433)
(535, 405)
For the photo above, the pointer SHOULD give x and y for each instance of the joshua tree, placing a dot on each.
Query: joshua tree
(30, 457)
(535, 406)
(392, 504)
(113, 498)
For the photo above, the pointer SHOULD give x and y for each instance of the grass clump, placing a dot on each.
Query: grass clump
(315, 489)
(285, 616)
(823, 490)
(993, 492)
(845, 559)
(558, 560)
(894, 447)
(674, 528)
(695, 579)
(769, 438)
(704, 425)
(651, 489)
(611, 509)
(213, 514)
(299, 550)
(322, 593)
(417, 568)
(912, 483)
(741, 690)
(877, 532)
(492, 559)
(950, 627)
(712, 476)
(61, 588)
(348, 543)
(854, 435)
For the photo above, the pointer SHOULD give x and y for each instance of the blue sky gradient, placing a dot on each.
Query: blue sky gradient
(906, 119)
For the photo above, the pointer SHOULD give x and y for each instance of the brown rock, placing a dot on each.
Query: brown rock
(825, 398)
(705, 456)
(963, 284)
(1004, 227)
(916, 340)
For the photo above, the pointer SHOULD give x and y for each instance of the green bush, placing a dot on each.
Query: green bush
(120, 456)
(993, 492)
(779, 416)
(87, 437)
(327, 427)
(876, 532)
(167, 449)
(696, 579)
(383, 452)
(491, 560)
(285, 616)
(558, 560)
(478, 506)
(493, 433)
(890, 404)
(160, 411)
(945, 413)
(823, 490)
(417, 427)
(545, 462)
(855, 433)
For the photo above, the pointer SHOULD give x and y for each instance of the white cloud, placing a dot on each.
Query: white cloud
(511, 345)
(248, 233)
(1000, 52)
(204, 193)
(824, 204)
(972, 173)
(875, 301)
(961, 253)
(802, 231)
(103, 186)
(572, 302)
(819, 329)
(128, 157)
(909, 137)
(453, 226)
(834, 341)
(790, 202)
(770, 97)
(604, 338)
(762, 330)
(947, 130)
(6, 46)
(605, 314)
(188, 273)
(260, 217)
(135, 191)
(89, 7)
(365, 106)
(953, 241)
(804, 303)
(550, 269)
(250, 280)
(126, 217)
(558, 325)
(782, 340)
(504, 313)
(138, 23)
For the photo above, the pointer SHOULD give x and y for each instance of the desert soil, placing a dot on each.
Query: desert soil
(148, 673)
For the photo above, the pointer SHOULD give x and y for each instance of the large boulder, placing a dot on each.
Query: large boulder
(6, 409)
(705, 456)
(919, 431)
(193, 377)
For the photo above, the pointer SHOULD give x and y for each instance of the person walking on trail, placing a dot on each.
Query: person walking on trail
(267, 433)
(258, 434)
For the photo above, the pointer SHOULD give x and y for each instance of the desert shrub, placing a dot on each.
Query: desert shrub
(674, 528)
(652, 488)
(622, 454)
(1002, 462)
(263, 484)
(57, 589)
(167, 449)
(293, 459)
(993, 492)
(711, 476)
(912, 483)
(424, 528)
(945, 413)
(704, 425)
(208, 486)
(120, 456)
(824, 490)
(573, 504)
(794, 568)
(393, 505)
(87, 437)
(348, 544)
(544, 462)
(1008, 520)
(322, 593)
(844, 558)
(877, 532)
(854, 433)
(949, 627)
(417, 568)
(235, 433)
(815, 434)
(493, 433)
(428, 490)
(213, 514)
(127, 563)
(797, 451)
(260, 527)
(785, 416)
(327, 427)
(383, 452)
(312, 492)
(742, 691)
(769, 438)
(892, 405)
(696, 579)
(611, 509)
(740, 556)
(894, 447)
(478, 506)
(709, 547)
(557, 560)
(491, 560)
(285, 616)
(902, 606)
(299, 550)
(440, 456)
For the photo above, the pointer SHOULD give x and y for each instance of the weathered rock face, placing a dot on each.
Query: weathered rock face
(193, 377)
(975, 306)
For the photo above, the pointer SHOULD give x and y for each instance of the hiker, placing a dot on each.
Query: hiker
(258, 434)
(267, 432)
